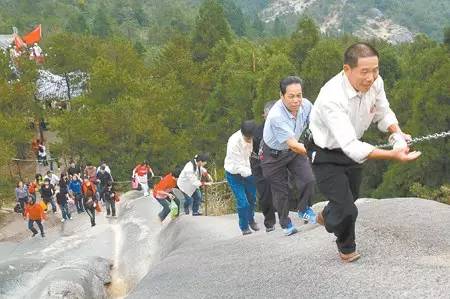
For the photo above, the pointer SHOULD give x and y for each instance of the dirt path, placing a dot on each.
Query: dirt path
(13, 228)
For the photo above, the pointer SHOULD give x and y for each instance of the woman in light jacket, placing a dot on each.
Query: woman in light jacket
(189, 183)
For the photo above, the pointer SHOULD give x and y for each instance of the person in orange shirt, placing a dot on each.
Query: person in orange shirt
(35, 213)
(161, 192)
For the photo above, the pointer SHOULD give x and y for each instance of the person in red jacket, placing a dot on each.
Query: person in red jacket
(140, 173)
(162, 193)
(90, 200)
(35, 213)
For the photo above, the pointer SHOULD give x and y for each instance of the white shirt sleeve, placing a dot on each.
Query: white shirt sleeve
(236, 157)
(334, 115)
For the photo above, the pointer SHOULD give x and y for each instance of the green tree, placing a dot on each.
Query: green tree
(234, 16)
(102, 24)
(277, 67)
(210, 27)
(323, 62)
(279, 28)
(77, 24)
(303, 39)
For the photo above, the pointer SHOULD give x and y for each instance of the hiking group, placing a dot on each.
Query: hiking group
(264, 161)
(72, 191)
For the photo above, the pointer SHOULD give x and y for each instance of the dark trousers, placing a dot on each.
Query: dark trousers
(89, 208)
(195, 200)
(110, 206)
(339, 179)
(264, 195)
(31, 227)
(275, 171)
(22, 202)
(65, 210)
(165, 203)
(79, 202)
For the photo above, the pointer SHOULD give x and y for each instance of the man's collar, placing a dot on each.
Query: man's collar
(289, 112)
(349, 89)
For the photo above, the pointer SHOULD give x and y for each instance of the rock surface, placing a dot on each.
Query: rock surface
(404, 243)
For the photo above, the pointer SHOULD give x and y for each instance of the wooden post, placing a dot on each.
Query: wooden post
(206, 200)
(18, 169)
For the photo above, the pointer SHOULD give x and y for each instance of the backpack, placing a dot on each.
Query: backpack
(18, 208)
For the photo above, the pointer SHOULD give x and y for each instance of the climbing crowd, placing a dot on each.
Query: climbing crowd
(298, 146)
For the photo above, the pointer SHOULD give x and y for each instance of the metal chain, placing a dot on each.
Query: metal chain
(420, 139)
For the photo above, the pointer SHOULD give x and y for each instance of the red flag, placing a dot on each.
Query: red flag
(19, 43)
(34, 36)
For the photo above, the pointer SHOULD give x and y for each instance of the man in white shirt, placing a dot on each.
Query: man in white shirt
(239, 175)
(343, 111)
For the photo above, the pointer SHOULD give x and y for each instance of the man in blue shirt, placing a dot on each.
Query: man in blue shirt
(283, 154)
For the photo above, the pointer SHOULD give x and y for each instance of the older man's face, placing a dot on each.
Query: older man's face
(292, 99)
(364, 74)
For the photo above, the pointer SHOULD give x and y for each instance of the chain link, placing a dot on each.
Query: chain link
(420, 139)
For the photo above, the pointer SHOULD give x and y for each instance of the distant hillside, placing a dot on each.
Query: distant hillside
(153, 22)
(394, 20)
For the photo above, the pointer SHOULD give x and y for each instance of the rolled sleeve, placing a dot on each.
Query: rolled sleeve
(340, 126)
(384, 116)
(358, 151)
(281, 131)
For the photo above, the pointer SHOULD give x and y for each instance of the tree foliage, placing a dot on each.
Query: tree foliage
(202, 81)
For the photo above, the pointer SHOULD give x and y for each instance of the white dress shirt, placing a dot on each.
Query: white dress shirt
(237, 160)
(341, 115)
(189, 180)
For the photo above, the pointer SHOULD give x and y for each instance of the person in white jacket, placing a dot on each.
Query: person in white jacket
(189, 183)
(239, 175)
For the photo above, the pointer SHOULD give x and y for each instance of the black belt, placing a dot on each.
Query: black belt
(274, 152)
(325, 155)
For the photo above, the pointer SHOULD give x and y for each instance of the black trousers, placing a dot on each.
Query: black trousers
(263, 194)
(338, 178)
(276, 170)
(39, 224)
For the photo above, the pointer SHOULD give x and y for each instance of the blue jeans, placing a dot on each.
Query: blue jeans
(244, 191)
(79, 202)
(195, 199)
(65, 211)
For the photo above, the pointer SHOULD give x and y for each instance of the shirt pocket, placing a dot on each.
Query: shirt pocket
(366, 115)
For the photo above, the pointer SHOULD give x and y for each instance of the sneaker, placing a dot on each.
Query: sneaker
(290, 230)
(62, 220)
(70, 218)
(270, 229)
(254, 226)
(197, 214)
(246, 232)
(34, 234)
(308, 216)
(107, 216)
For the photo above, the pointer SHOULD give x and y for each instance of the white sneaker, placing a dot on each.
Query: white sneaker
(62, 220)
(70, 218)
